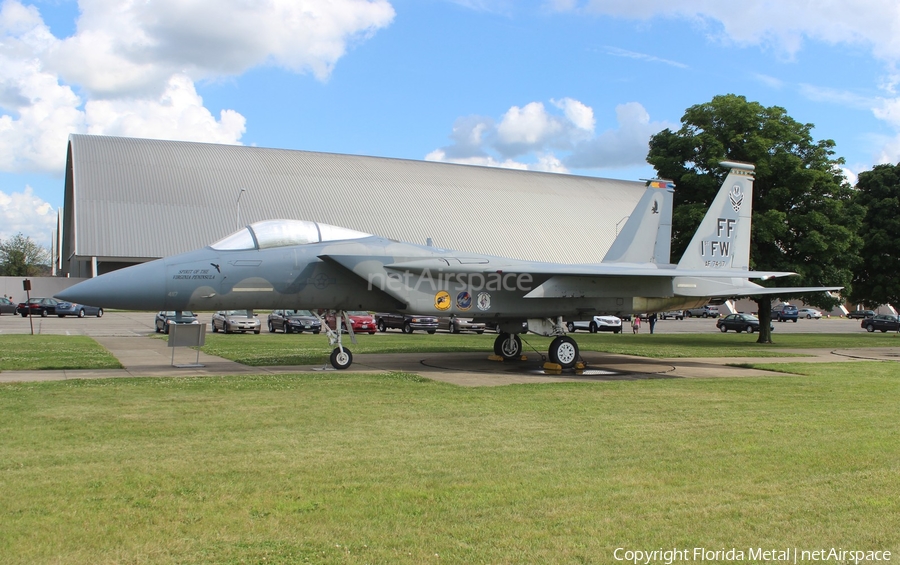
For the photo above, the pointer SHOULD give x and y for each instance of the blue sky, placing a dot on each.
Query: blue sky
(574, 86)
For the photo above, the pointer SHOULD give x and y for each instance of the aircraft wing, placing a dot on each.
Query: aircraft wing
(467, 266)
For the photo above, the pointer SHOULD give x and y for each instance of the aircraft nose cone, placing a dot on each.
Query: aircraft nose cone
(141, 287)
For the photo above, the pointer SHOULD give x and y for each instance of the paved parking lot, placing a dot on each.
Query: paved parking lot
(120, 333)
(124, 324)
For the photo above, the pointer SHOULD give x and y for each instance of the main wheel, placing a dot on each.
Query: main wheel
(508, 346)
(341, 359)
(564, 351)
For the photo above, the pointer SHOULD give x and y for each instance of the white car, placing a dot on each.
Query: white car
(809, 313)
(597, 324)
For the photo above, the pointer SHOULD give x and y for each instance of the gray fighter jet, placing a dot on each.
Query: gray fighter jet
(290, 264)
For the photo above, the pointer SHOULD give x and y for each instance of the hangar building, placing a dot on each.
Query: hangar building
(131, 200)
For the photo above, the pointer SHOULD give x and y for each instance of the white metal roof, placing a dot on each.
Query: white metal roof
(143, 198)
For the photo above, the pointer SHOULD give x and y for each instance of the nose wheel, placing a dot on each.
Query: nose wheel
(341, 358)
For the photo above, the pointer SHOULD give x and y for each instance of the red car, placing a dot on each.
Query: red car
(361, 321)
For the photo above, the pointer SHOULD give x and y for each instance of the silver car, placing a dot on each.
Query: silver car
(235, 321)
(455, 324)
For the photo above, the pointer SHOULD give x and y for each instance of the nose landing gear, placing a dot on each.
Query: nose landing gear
(341, 357)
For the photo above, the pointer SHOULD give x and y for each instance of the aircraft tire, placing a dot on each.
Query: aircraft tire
(563, 351)
(508, 346)
(340, 360)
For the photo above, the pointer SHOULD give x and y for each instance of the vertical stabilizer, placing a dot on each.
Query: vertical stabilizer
(723, 239)
(647, 235)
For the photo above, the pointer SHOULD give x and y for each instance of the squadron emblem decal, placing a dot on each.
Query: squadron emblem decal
(464, 300)
(737, 197)
(442, 300)
(484, 301)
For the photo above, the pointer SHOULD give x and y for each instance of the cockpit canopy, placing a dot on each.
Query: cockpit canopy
(281, 233)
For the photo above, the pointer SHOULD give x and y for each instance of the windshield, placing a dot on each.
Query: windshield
(244, 313)
(298, 313)
(281, 233)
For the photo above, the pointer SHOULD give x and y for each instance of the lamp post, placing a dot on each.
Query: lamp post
(238, 205)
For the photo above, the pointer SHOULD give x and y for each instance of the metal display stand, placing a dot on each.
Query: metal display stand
(187, 335)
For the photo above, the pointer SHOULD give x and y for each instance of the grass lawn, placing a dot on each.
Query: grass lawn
(305, 349)
(358, 468)
(29, 352)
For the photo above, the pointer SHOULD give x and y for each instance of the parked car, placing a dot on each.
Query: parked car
(809, 313)
(881, 322)
(230, 321)
(407, 323)
(166, 317)
(677, 314)
(7, 306)
(293, 321)
(739, 323)
(853, 314)
(38, 307)
(785, 313)
(64, 309)
(360, 320)
(454, 325)
(708, 311)
(596, 324)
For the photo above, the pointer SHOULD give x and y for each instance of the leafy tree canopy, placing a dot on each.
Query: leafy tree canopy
(876, 280)
(803, 220)
(20, 256)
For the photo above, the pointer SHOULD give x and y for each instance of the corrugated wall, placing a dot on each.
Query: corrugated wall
(152, 198)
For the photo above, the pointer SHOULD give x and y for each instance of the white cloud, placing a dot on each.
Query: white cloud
(23, 212)
(135, 63)
(532, 137)
(133, 47)
(178, 114)
(782, 25)
(626, 146)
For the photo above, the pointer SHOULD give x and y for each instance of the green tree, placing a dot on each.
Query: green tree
(20, 256)
(803, 221)
(876, 279)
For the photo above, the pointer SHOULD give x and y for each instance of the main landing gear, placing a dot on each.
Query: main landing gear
(341, 357)
(563, 349)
